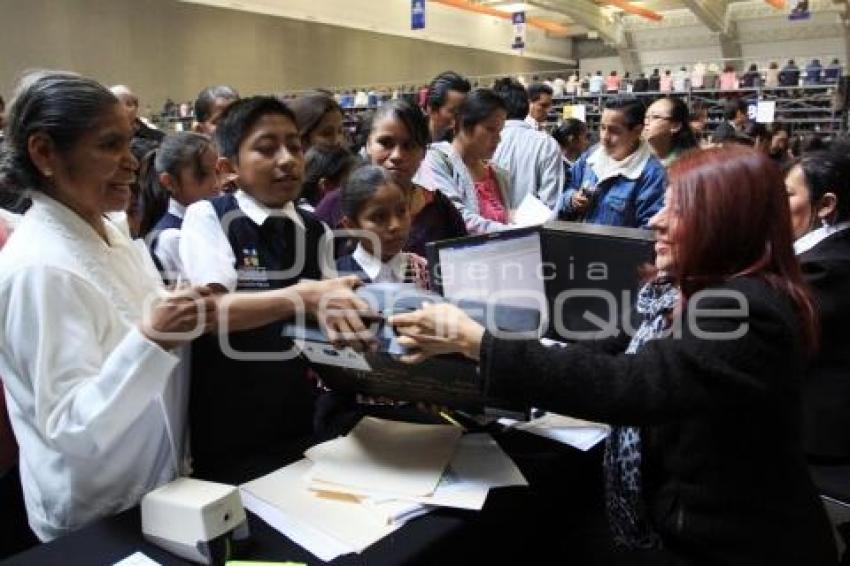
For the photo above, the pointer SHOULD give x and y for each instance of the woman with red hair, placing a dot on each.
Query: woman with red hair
(704, 462)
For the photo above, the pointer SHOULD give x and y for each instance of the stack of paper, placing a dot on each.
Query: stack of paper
(354, 490)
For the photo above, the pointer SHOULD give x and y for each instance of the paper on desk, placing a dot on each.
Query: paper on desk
(577, 433)
(326, 527)
(137, 559)
(477, 465)
(386, 456)
(395, 510)
(531, 212)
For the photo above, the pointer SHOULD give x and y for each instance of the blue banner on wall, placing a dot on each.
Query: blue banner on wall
(417, 14)
(518, 20)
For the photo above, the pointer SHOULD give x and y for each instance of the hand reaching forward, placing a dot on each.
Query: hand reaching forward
(437, 329)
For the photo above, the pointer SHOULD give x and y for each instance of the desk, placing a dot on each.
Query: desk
(561, 515)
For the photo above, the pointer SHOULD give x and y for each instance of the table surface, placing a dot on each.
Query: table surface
(560, 515)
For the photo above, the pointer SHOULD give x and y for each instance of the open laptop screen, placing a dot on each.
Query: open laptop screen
(503, 267)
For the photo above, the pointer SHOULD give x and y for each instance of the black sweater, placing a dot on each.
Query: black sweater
(724, 475)
(826, 393)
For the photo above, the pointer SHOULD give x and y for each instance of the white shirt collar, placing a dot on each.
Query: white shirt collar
(378, 271)
(532, 122)
(813, 238)
(258, 212)
(119, 219)
(176, 209)
(528, 123)
(631, 167)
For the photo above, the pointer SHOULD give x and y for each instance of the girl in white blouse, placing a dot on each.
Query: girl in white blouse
(88, 346)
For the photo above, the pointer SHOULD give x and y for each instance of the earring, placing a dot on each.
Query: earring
(48, 173)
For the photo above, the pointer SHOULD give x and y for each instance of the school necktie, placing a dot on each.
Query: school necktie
(279, 233)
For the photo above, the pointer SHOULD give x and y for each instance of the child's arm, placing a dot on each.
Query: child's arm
(319, 299)
(332, 301)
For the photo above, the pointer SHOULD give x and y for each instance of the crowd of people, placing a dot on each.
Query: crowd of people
(681, 78)
(135, 263)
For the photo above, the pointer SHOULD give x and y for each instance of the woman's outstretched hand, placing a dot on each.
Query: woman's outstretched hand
(437, 329)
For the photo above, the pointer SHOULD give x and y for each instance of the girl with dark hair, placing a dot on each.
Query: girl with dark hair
(178, 173)
(319, 120)
(91, 372)
(818, 188)
(460, 169)
(667, 128)
(397, 142)
(377, 207)
(704, 397)
(325, 170)
(573, 140)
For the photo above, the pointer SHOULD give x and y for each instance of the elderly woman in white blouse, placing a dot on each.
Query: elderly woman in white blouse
(90, 347)
(88, 352)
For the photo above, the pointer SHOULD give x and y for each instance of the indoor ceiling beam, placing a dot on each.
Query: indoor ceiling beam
(590, 15)
(713, 15)
(585, 13)
(629, 8)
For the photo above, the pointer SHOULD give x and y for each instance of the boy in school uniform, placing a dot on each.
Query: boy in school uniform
(250, 394)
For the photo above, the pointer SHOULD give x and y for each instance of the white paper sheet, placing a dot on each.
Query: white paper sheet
(577, 433)
(395, 510)
(765, 111)
(137, 559)
(477, 465)
(326, 527)
(531, 212)
(386, 456)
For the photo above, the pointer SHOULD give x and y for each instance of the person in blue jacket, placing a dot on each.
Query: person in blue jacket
(618, 181)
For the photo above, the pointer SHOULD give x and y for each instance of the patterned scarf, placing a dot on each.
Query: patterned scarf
(624, 501)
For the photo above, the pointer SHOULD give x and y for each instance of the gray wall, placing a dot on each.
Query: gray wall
(165, 48)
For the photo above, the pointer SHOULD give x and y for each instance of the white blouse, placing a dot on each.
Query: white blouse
(97, 408)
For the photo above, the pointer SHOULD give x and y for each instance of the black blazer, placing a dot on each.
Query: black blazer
(826, 392)
(724, 475)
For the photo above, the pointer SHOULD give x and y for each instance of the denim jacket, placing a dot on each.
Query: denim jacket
(620, 200)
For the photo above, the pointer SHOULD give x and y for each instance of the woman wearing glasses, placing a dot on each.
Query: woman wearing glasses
(667, 129)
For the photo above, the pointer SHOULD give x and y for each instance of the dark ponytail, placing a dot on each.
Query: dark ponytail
(153, 197)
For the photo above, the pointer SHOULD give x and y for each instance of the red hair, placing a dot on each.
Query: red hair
(732, 212)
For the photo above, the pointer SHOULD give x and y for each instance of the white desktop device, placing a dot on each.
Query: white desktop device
(194, 519)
